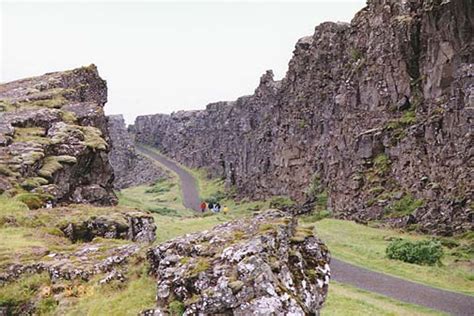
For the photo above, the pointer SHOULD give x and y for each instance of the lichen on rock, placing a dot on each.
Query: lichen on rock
(258, 266)
(53, 127)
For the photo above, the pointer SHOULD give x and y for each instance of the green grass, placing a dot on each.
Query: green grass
(347, 300)
(117, 299)
(365, 246)
(184, 221)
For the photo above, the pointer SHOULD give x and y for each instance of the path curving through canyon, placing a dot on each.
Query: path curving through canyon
(344, 272)
(188, 183)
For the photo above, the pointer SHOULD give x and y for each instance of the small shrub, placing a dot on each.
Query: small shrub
(355, 54)
(426, 252)
(316, 216)
(216, 197)
(176, 308)
(405, 206)
(314, 187)
(281, 202)
(163, 211)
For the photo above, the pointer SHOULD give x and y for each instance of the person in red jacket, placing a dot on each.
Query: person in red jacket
(203, 206)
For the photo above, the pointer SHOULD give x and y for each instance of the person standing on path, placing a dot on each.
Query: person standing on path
(203, 206)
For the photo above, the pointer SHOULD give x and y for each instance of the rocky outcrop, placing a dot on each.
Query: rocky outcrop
(53, 139)
(376, 113)
(135, 226)
(82, 264)
(130, 168)
(265, 265)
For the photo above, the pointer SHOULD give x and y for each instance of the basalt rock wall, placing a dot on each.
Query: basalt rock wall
(376, 113)
(130, 168)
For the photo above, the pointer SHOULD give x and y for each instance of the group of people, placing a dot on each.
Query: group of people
(213, 207)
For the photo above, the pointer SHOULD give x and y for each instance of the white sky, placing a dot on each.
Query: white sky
(160, 57)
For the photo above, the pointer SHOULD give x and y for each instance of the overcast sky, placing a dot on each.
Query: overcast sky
(160, 57)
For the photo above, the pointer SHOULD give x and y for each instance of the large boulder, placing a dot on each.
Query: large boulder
(258, 266)
(54, 137)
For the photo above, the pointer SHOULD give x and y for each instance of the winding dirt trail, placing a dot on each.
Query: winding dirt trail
(188, 183)
(396, 288)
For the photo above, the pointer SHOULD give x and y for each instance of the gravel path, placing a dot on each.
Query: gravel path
(402, 290)
(188, 183)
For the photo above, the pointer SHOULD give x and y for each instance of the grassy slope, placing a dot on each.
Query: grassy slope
(365, 246)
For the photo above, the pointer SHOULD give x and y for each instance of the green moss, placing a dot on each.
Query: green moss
(55, 102)
(32, 183)
(50, 166)
(46, 306)
(32, 157)
(93, 138)
(23, 291)
(31, 134)
(382, 164)
(266, 227)
(176, 308)
(236, 286)
(200, 265)
(184, 260)
(193, 300)
(397, 126)
(5, 170)
(405, 206)
(53, 164)
(33, 200)
(68, 117)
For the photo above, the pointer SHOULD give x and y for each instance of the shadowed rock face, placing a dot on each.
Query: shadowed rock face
(265, 265)
(53, 139)
(377, 113)
(130, 169)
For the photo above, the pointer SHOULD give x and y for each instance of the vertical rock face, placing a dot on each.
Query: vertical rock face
(130, 168)
(377, 112)
(53, 139)
(266, 265)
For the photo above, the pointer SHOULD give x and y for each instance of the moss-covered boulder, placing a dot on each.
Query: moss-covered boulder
(266, 265)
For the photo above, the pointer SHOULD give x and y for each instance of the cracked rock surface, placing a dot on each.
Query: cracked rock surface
(258, 266)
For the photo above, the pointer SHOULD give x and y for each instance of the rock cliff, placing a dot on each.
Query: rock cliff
(377, 114)
(130, 169)
(266, 265)
(54, 140)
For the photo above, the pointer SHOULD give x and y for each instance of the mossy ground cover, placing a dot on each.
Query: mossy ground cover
(366, 247)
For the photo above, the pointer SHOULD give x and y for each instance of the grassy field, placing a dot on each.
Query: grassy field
(365, 246)
(347, 300)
